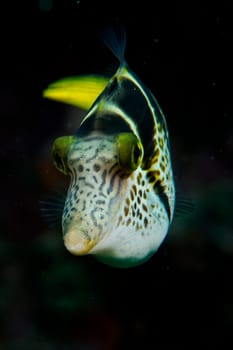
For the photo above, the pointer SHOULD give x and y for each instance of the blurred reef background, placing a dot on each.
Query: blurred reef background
(183, 296)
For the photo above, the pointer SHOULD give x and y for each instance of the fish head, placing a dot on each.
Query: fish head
(99, 166)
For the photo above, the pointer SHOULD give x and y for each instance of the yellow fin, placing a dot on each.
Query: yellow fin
(80, 91)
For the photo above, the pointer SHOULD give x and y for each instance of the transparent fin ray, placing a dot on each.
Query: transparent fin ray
(184, 206)
(51, 209)
(115, 40)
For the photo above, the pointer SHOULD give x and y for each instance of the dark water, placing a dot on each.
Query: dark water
(50, 299)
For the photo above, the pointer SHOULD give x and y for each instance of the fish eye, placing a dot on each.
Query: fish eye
(58, 162)
(136, 154)
(59, 153)
(129, 152)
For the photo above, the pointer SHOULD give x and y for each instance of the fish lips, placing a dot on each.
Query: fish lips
(78, 242)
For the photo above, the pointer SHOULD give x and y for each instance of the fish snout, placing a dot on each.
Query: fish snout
(78, 242)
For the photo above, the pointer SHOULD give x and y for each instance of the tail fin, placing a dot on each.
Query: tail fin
(115, 40)
(80, 91)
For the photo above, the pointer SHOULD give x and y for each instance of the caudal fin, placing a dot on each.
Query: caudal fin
(80, 91)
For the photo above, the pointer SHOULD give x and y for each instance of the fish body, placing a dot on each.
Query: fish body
(121, 198)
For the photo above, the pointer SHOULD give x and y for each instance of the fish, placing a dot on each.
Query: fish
(120, 202)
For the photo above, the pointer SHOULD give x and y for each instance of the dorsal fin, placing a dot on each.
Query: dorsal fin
(115, 39)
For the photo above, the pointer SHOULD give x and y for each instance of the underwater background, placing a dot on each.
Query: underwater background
(183, 295)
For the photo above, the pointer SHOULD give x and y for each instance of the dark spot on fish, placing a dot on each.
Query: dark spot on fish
(139, 214)
(100, 202)
(95, 179)
(131, 195)
(126, 211)
(151, 176)
(150, 173)
(127, 201)
(96, 167)
(145, 221)
(84, 205)
(119, 220)
(134, 189)
(128, 222)
(158, 187)
(152, 179)
(88, 184)
(80, 178)
(139, 178)
(75, 196)
(144, 207)
(162, 167)
(80, 168)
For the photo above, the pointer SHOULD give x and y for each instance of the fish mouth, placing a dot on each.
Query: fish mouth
(78, 242)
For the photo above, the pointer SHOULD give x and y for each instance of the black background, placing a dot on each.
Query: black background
(49, 299)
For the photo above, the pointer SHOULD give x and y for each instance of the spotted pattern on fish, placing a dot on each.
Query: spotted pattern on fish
(153, 135)
(119, 209)
(96, 194)
(90, 189)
